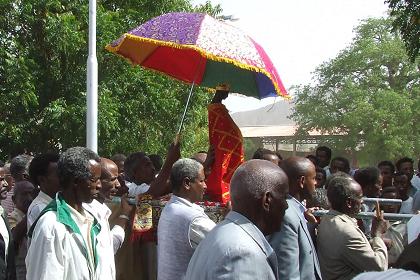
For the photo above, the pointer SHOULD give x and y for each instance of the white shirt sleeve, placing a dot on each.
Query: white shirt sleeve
(199, 228)
(118, 235)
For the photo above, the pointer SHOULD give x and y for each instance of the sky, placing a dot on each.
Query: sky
(298, 35)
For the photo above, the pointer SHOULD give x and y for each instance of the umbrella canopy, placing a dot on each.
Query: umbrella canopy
(196, 48)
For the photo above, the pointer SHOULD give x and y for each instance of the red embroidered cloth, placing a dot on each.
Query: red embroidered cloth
(226, 138)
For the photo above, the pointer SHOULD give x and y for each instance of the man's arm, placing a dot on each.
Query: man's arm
(198, 230)
(362, 255)
(160, 185)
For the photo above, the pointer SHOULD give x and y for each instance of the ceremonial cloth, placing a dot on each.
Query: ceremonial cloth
(226, 139)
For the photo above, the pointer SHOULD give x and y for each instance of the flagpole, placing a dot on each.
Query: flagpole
(92, 83)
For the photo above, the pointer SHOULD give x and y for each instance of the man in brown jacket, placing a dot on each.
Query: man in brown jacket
(343, 249)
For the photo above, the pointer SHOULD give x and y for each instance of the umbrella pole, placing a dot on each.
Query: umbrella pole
(185, 109)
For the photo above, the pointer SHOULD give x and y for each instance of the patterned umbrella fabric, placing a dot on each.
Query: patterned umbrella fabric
(194, 47)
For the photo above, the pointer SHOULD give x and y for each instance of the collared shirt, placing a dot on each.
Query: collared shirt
(4, 233)
(102, 213)
(37, 205)
(199, 227)
(299, 205)
(84, 222)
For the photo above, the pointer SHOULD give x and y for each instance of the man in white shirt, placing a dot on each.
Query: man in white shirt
(140, 173)
(109, 188)
(182, 224)
(43, 173)
(402, 184)
(68, 242)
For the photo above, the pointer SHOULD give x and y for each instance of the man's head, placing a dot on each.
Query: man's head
(321, 177)
(266, 154)
(406, 165)
(119, 161)
(157, 161)
(387, 171)
(402, 184)
(301, 174)
(139, 168)
(258, 190)
(43, 173)
(79, 173)
(390, 193)
(9, 179)
(109, 179)
(344, 194)
(340, 164)
(3, 183)
(323, 154)
(24, 194)
(188, 179)
(19, 167)
(370, 179)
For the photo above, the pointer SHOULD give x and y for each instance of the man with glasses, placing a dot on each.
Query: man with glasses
(343, 249)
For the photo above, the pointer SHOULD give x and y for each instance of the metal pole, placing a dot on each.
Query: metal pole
(385, 201)
(186, 108)
(371, 215)
(92, 83)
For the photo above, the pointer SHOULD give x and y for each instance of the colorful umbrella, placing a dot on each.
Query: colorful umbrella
(198, 49)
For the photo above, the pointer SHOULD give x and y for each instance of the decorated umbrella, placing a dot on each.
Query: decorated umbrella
(198, 49)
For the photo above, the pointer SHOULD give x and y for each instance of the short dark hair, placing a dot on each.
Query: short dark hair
(39, 165)
(74, 164)
(343, 160)
(367, 176)
(402, 160)
(118, 157)
(324, 149)
(19, 164)
(1, 163)
(387, 163)
(184, 168)
(131, 163)
(260, 152)
(339, 190)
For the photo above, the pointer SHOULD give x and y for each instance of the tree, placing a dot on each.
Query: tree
(369, 94)
(43, 53)
(406, 16)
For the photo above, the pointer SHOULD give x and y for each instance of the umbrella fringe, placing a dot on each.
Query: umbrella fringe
(115, 49)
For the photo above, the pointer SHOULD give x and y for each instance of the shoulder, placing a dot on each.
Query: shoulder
(48, 226)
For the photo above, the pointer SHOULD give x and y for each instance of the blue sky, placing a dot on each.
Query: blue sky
(298, 35)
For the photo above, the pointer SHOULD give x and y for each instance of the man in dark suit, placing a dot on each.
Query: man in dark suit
(293, 243)
(7, 256)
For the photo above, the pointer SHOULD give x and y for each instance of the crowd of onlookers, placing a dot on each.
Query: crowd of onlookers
(61, 218)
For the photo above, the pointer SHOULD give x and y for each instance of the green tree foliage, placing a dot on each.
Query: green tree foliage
(406, 14)
(369, 94)
(43, 53)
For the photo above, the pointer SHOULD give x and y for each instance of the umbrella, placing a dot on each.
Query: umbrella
(198, 49)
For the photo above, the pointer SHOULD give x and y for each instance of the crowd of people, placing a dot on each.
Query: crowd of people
(68, 216)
